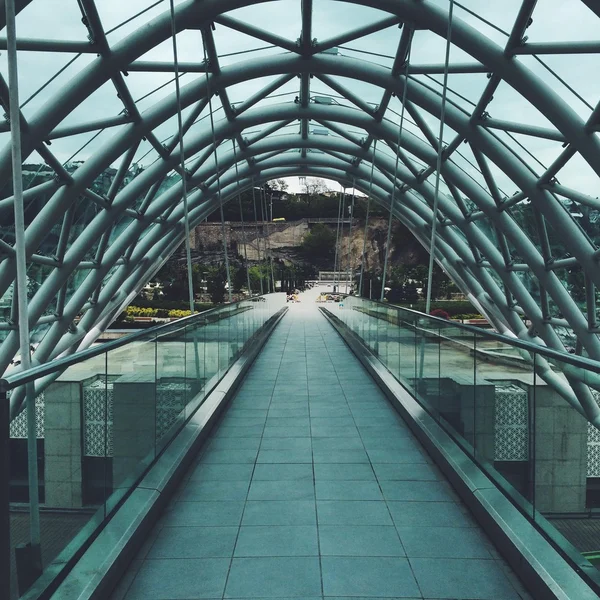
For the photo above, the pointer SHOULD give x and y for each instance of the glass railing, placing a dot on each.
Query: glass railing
(507, 404)
(102, 418)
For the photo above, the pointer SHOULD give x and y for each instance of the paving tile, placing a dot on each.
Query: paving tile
(334, 431)
(340, 456)
(337, 443)
(234, 411)
(394, 455)
(292, 443)
(285, 456)
(281, 490)
(297, 401)
(343, 472)
(234, 443)
(399, 441)
(286, 540)
(180, 579)
(253, 402)
(443, 542)
(231, 431)
(376, 410)
(348, 490)
(362, 540)
(430, 514)
(461, 579)
(377, 419)
(328, 390)
(283, 388)
(213, 491)
(257, 382)
(340, 512)
(205, 514)
(416, 491)
(356, 392)
(290, 431)
(288, 421)
(277, 472)
(233, 421)
(381, 577)
(326, 399)
(242, 455)
(405, 472)
(258, 376)
(270, 577)
(256, 388)
(279, 410)
(222, 472)
(347, 421)
(392, 431)
(194, 542)
(291, 512)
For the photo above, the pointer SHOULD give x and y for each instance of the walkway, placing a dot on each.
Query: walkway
(312, 487)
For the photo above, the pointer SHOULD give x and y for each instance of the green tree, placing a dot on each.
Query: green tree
(258, 273)
(174, 279)
(216, 278)
(319, 244)
(239, 277)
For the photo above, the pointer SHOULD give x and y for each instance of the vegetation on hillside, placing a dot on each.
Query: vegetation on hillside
(318, 245)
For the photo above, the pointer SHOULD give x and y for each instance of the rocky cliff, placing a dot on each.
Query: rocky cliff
(285, 240)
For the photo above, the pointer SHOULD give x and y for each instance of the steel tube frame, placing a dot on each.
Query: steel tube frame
(21, 285)
(5, 537)
(559, 386)
(489, 147)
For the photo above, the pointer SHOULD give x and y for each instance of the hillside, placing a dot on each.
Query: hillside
(285, 241)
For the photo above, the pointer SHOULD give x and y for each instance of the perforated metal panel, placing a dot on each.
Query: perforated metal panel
(170, 402)
(593, 445)
(511, 440)
(18, 427)
(98, 397)
(98, 418)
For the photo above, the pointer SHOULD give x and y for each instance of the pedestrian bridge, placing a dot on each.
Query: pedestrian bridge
(273, 450)
(312, 486)
(264, 450)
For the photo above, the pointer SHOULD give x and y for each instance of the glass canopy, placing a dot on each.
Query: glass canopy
(306, 87)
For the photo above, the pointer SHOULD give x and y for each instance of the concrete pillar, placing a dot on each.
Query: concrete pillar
(134, 426)
(560, 454)
(477, 413)
(469, 408)
(63, 451)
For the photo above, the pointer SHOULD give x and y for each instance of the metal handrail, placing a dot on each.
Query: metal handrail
(571, 359)
(23, 377)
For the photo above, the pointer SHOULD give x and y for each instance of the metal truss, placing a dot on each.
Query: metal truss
(511, 252)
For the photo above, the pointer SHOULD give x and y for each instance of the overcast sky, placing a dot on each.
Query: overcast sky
(553, 20)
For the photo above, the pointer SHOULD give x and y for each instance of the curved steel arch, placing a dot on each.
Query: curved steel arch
(425, 154)
(421, 231)
(466, 251)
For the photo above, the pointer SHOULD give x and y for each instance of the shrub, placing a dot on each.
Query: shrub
(441, 314)
(136, 311)
(161, 303)
(468, 316)
(452, 307)
(178, 314)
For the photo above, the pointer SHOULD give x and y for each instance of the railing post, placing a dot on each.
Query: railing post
(5, 552)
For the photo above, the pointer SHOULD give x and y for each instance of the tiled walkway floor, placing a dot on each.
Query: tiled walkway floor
(312, 487)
